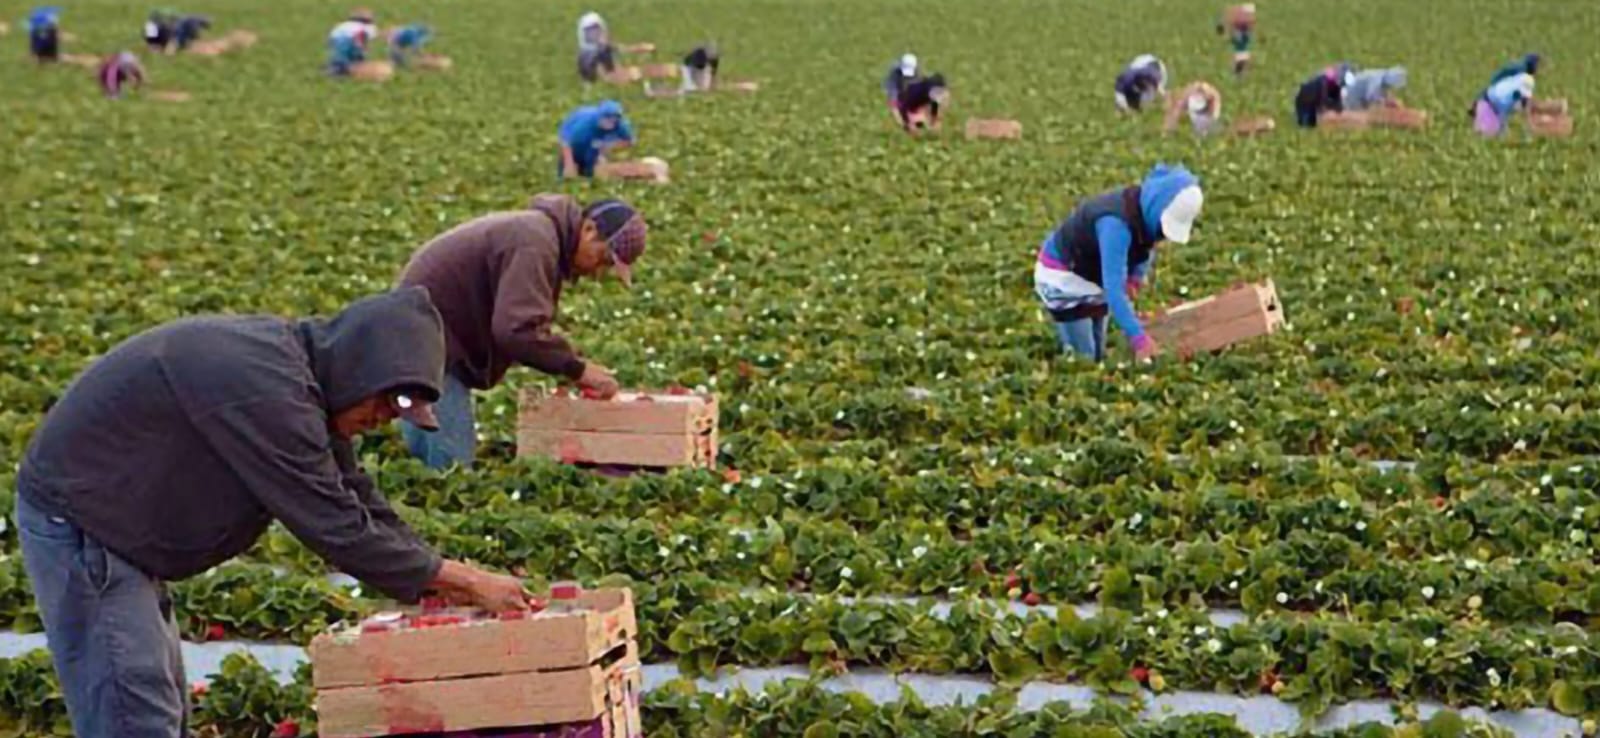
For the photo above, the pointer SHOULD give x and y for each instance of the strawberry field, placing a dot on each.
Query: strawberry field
(1393, 501)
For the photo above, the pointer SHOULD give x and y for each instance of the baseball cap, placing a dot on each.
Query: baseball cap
(414, 410)
(1198, 103)
(908, 64)
(1177, 221)
(624, 231)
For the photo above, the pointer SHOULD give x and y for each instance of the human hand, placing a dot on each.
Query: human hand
(1144, 348)
(599, 381)
(1132, 286)
(464, 584)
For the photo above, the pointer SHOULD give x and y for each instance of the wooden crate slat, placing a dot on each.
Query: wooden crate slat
(610, 448)
(664, 414)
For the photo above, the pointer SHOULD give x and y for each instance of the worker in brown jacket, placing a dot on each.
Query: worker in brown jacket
(497, 281)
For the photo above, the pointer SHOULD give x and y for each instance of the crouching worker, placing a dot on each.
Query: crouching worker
(1510, 90)
(1142, 82)
(347, 42)
(174, 452)
(587, 134)
(1096, 261)
(119, 70)
(1201, 103)
(406, 42)
(921, 102)
(497, 281)
(44, 34)
(700, 68)
(1322, 93)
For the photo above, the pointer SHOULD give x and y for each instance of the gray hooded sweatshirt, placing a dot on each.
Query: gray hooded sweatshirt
(1370, 87)
(179, 447)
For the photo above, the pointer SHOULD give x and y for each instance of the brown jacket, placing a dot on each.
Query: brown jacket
(496, 281)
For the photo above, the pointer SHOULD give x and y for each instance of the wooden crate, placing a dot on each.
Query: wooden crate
(634, 429)
(660, 71)
(1548, 106)
(1254, 126)
(993, 128)
(1397, 117)
(648, 169)
(1217, 322)
(573, 672)
(1541, 124)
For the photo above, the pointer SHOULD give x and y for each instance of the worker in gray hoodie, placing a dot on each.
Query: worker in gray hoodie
(173, 453)
(1374, 88)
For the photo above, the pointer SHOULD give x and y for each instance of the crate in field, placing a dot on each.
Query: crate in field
(1253, 126)
(1217, 322)
(660, 71)
(1397, 117)
(372, 71)
(569, 669)
(1548, 106)
(994, 129)
(633, 429)
(1543, 124)
(647, 169)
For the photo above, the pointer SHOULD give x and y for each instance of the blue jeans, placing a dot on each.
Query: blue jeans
(457, 437)
(1085, 337)
(111, 631)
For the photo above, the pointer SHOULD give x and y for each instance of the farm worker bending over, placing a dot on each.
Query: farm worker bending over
(158, 30)
(118, 70)
(1239, 22)
(588, 133)
(44, 33)
(1502, 99)
(595, 51)
(1144, 80)
(173, 453)
(1528, 64)
(497, 281)
(700, 68)
(902, 74)
(188, 29)
(407, 40)
(1099, 257)
(920, 103)
(1374, 88)
(347, 42)
(1200, 102)
(1323, 92)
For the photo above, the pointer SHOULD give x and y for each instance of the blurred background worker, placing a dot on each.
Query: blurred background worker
(595, 50)
(1239, 22)
(44, 33)
(900, 75)
(1374, 88)
(1323, 92)
(700, 68)
(407, 41)
(1200, 102)
(588, 133)
(497, 281)
(1099, 257)
(347, 42)
(1143, 81)
(119, 70)
(921, 102)
(158, 30)
(188, 30)
(1509, 90)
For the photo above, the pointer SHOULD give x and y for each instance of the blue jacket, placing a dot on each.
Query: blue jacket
(48, 16)
(412, 36)
(1114, 240)
(582, 133)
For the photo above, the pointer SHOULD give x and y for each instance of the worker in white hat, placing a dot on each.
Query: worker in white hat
(1200, 102)
(1096, 261)
(900, 76)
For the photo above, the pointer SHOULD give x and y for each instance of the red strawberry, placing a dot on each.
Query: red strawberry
(1439, 502)
(536, 605)
(215, 632)
(709, 237)
(513, 614)
(286, 728)
(198, 690)
(731, 476)
(1139, 673)
(433, 604)
(677, 390)
(1268, 678)
(1032, 599)
(589, 393)
(1013, 580)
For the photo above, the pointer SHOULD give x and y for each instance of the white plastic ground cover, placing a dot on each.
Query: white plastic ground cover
(1261, 715)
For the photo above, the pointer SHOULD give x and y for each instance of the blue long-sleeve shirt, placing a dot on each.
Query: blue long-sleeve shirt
(1115, 239)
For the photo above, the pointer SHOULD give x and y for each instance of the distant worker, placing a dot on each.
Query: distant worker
(700, 68)
(1201, 103)
(901, 75)
(1374, 88)
(1323, 92)
(497, 281)
(158, 30)
(1096, 261)
(1142, 82)
(921, 103)
(595, 50)
(118, 71)
(588, 133)
(347, 42)
(1511, 90)
(44, 33)
(407, 41)
(1239, 22)
(188, 30)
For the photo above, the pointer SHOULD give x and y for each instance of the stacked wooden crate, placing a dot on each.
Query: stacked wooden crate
(645, 429)
(1245, 312)
(570, 669)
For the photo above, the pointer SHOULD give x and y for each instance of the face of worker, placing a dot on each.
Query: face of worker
(593, 257)
(609, 123)
(366, 415)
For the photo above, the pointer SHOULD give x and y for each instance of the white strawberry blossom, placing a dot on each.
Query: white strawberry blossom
(1214, 646)
(1427, 593)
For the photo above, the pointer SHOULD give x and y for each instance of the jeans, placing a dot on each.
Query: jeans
(111, 631)
(457, 437)
(1085, 337)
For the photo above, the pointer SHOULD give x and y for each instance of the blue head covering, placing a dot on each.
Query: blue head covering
(608, 108)
(44, 16)
(1159, 188)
